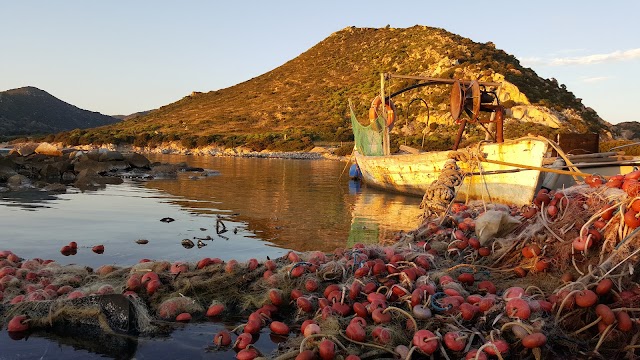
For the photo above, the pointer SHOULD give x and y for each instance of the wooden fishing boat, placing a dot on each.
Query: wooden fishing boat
(413, 173)
(508, 172)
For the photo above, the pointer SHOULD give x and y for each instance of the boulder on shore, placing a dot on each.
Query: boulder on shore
(93, 165)
(18, 182)
(47, 149)
(43, 164)
(6, 172)
(137, 160)
(87, 175)
(50, 172)
(25, 149)
(55, 188)
(111, 156)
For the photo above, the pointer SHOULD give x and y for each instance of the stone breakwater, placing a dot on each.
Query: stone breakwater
(316, 153)
(284, 155)
(45, 166)
(173, 148)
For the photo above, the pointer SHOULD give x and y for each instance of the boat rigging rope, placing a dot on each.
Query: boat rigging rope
(441, 192)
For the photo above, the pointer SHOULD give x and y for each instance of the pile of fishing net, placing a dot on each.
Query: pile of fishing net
(554, 279)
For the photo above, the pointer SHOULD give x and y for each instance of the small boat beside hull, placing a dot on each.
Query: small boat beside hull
(603, 169)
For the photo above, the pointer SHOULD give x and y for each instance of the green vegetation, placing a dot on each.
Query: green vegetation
(344, 150)
(633, 147)
(306, 99)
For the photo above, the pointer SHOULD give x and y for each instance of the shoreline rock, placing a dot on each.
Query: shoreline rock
(49, 168)
(174, 148)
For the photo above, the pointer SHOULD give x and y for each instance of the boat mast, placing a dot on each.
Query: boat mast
(386, 147)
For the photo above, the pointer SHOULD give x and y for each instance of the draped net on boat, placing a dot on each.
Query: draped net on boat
(368, 139)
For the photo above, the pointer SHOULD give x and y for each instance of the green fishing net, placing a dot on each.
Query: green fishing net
(368, 139)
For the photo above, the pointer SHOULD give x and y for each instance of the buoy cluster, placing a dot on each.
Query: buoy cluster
(72, 249)
(560, 283)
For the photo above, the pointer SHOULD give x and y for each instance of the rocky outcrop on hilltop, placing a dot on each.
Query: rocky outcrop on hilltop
(628, 130)
(306, 99)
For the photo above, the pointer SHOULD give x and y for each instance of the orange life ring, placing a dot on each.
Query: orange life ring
(389, 106)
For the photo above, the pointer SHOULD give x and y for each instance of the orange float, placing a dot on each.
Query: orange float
(389, 107)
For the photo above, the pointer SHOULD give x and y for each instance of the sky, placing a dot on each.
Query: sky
(119, 57)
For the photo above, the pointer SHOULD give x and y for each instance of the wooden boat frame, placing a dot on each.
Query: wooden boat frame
(507, 172)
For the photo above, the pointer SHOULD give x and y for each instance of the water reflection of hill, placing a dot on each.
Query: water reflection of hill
(31, 199)
(295, 204)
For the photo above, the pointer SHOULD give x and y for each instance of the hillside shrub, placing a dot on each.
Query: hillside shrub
(344, 150)
(189, 142)
(633, 150)
(203, 141)
(73, 140)
(304, 101)
(141, 140)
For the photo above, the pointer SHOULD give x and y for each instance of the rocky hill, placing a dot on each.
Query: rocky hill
(131, 116)
(628, 130)
(305, 99)
(29, 110)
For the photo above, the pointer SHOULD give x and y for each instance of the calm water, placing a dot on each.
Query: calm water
(268, 206)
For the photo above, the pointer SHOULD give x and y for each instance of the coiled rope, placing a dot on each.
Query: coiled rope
(441, 192)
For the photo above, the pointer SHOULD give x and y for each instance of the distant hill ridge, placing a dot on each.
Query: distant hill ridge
(131, 116)
(29, 110)
(305, 99)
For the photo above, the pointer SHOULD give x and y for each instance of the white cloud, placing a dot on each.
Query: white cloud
(585, 60)
(597, 58)
(596, 79)
(569, 51)
(532, 61)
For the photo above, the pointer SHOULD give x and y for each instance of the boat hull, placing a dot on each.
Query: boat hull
(413, 173)
(603, 169)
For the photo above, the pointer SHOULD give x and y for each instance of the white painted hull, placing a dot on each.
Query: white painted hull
(608, 169)
(413, 173)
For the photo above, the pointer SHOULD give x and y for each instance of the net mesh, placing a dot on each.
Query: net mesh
(428, 259)
(368, 138)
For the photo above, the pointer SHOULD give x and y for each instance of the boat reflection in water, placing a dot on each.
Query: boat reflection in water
(294, 204)
(267, 205)
(377, 216)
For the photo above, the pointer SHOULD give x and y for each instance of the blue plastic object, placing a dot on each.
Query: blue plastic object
(354, 172)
